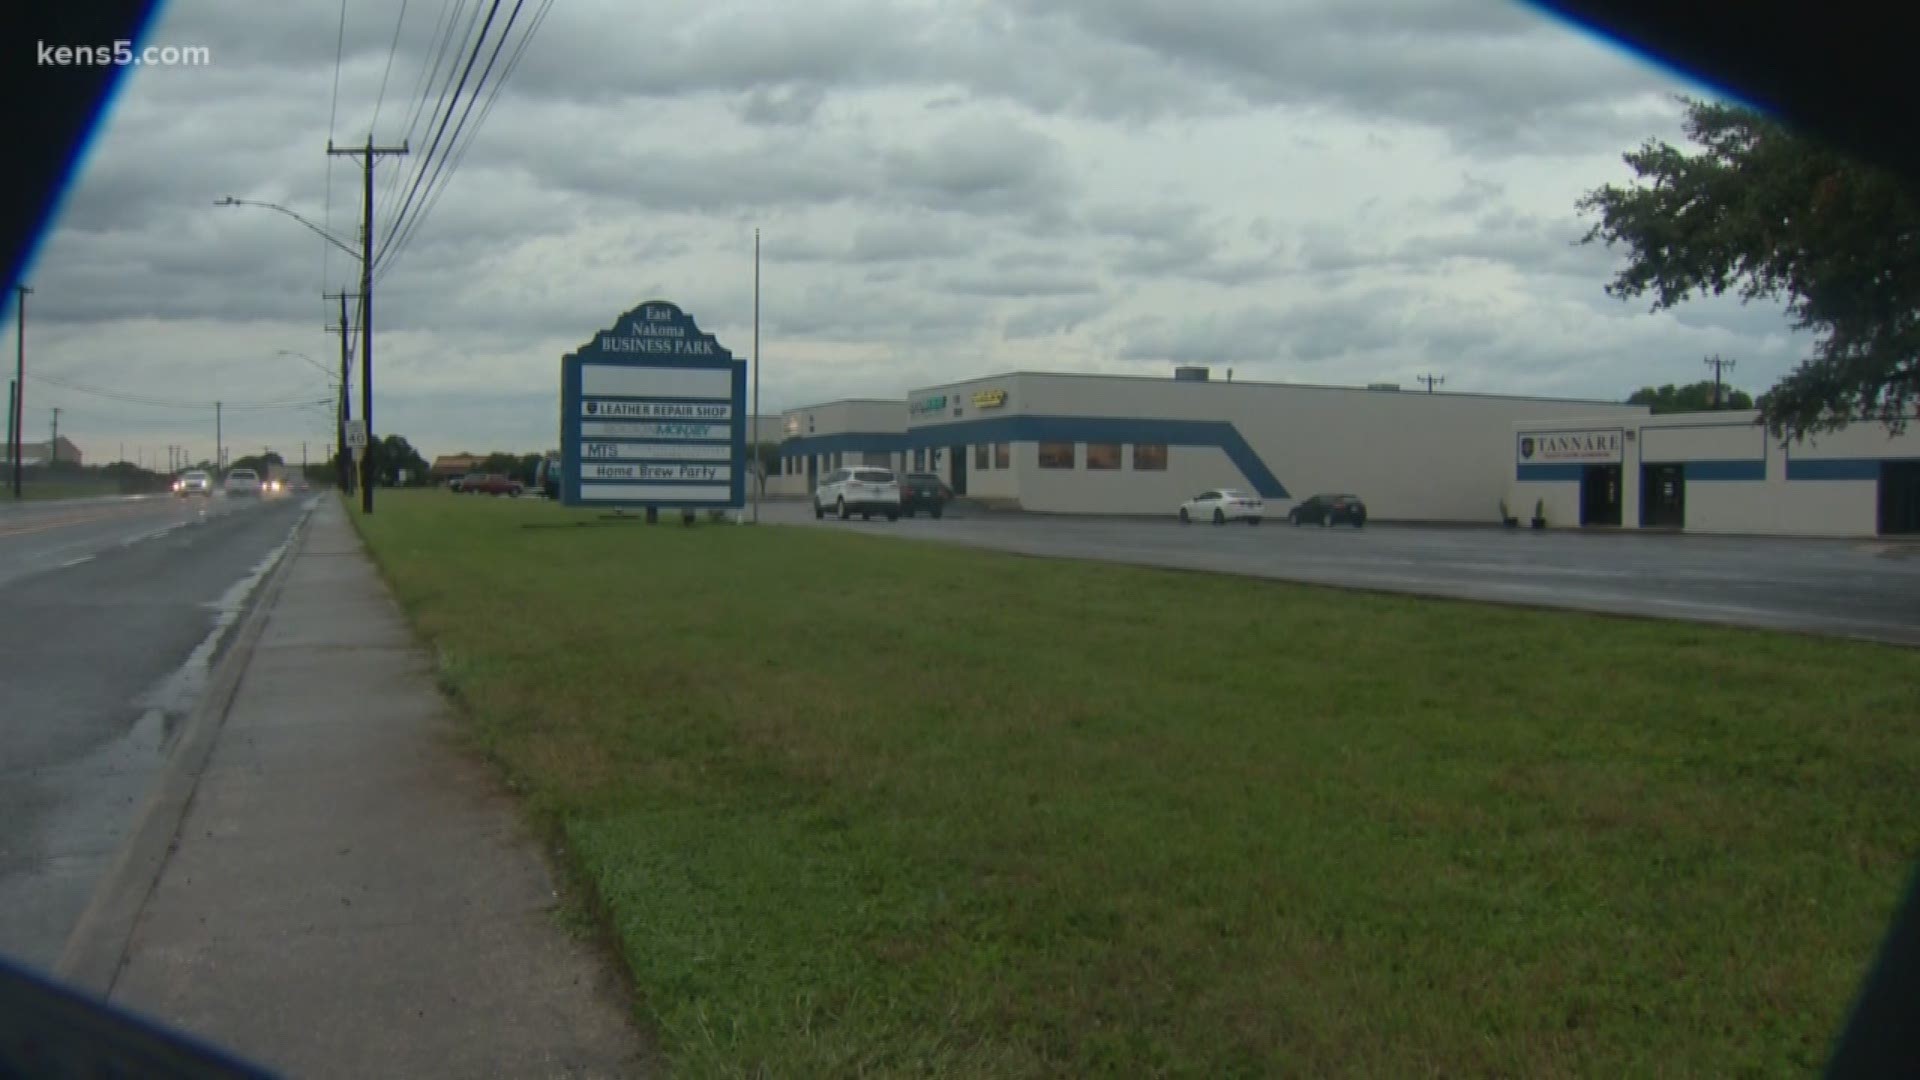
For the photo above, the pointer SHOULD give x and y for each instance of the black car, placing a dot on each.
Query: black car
(1330, 510)
(546, 478)
(924, 491)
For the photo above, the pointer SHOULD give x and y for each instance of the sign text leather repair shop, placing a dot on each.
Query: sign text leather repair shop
(989, 399)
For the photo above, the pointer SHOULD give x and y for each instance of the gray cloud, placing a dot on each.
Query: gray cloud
(788, 105)
(1022, 284)
(1049, 318)
(1491, 75)
(943, 188)
(984, 166)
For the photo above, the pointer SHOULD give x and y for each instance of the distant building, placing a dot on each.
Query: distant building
(448, 466)
(36, 453)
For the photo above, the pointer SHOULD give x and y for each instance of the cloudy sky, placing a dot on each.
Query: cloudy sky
(1324, 191)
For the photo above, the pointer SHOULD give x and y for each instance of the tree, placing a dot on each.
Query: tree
(396, 453)
(524, 469)
(1771, 215)
(1697, 397)
(500, 462)
(257, 462)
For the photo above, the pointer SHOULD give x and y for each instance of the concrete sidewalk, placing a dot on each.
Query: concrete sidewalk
(345, 892)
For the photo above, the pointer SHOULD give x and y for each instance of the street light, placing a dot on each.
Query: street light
(322, 233)
(332, 376)
(340, 382)
(363, 257)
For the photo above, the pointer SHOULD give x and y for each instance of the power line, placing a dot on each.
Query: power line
(394, 249)
(128, 398)
(450, 49)
(473, 57)
(339, 54)
(391, 50)
(333, 116)
(423, 86)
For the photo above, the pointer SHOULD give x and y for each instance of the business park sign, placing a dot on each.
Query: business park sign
(653, 414)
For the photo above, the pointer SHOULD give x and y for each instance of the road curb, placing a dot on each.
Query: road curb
(97, 946)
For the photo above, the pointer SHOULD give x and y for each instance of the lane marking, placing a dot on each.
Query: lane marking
(178, 690)
(61, 523)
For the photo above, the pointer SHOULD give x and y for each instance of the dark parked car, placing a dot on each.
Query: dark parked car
(546, 478)
(924, 491)
(491, 484)
(1330, 510)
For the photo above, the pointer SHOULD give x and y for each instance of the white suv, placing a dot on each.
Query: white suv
(863, 491)
(243, 482)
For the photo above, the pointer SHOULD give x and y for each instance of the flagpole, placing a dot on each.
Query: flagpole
(753, 420)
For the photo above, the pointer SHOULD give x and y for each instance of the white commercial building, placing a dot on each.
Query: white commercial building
(1136, 445)
(1108, 444)
(1717, 472)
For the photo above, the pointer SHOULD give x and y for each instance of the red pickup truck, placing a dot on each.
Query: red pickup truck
(494, 484)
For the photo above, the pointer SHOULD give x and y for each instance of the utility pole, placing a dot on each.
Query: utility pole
(753, 414)
(13, 390)
(346, 399)
(53, 442)
(219, 446)
(1431, 381)
(368, 155)
(17, 418)
(1716, 364)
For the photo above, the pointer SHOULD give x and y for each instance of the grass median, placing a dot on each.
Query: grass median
(852, 804)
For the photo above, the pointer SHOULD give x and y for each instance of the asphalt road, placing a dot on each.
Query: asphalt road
(1846, 588)
(115, 609)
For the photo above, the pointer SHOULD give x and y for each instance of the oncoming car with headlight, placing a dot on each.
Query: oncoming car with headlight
(193, 482)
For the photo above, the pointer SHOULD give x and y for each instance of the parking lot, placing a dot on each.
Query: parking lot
(1839, 587)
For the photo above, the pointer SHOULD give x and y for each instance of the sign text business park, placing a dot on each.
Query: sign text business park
(653, 413)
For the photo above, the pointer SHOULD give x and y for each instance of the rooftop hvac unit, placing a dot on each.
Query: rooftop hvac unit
(1190, 374)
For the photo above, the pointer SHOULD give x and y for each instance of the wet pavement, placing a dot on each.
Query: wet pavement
(1852, 588)
(115, 610)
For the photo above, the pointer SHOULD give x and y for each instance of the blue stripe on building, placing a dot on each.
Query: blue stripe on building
(1725, 470)
(1571, 472)
(1834, 469)
(1218, 434)
(845, 442)
(1558, 471)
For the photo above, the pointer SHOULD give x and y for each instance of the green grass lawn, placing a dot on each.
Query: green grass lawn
(857, 805)
(58, 489)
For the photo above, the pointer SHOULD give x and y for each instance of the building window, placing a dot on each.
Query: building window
(980, 457)
(920, 460)
(1003, 455)
(1103, 455)
(1056, 455)
(1150, 457)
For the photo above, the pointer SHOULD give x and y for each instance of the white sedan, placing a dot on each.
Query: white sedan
(1222, 506)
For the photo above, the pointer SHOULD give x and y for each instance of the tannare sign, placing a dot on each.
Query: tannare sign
(1598, 446)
